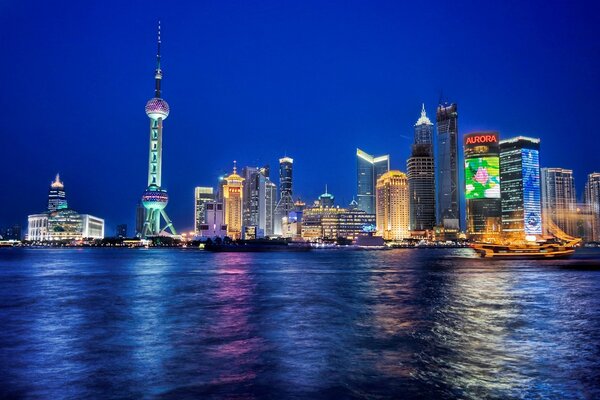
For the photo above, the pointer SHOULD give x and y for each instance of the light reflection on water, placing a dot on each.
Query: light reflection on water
(159, 323)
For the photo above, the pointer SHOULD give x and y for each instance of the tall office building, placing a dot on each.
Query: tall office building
(155, 197)
(202, 195)
(57, 198)
(285, 203)
(592, 200)
(482, 186)
(393, 204)
(558, 200)
(448, 198)
(214, 221)
(421, 176)
(233, 197)
(259, 198)
(520, 187)
(368, 170)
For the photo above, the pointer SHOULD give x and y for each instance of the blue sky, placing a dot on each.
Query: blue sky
(254, 80)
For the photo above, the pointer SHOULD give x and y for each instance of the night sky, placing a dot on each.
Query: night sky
(251, 81)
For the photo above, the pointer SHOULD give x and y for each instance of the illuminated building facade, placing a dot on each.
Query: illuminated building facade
(592, 200)
(368, 170)
(520, 187)
(202, 195)
(286, 203)
(448, 199)
(333, 223)
(214, 221)
(420, 169)
(233, 197)
(57, 197)
(60, 223)
(558, 199)
(259, 200)
(155, 198)
(482, 186)
(393, 204)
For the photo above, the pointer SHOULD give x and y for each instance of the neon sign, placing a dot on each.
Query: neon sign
(481, 139)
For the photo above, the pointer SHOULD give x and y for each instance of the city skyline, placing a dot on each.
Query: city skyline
(383, 130)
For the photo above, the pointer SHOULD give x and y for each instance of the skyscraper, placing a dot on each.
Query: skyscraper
(448, 199)
(57, 198)
(421, 176)
(592, 199)
(368, 170)
(285, 203)
(259, 198)
(393, 204)
(520, 187)
(233, 197)
(140, 219)
(482, 186)
(202, 195)
(155, 198)
(558, 200)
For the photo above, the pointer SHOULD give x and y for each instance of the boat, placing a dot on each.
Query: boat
(523, 251)
(257, 245)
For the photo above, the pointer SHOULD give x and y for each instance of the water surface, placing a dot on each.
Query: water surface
(405, 323)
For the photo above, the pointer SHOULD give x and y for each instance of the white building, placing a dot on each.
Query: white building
(92, 227)
(214, 218)
(37, 227)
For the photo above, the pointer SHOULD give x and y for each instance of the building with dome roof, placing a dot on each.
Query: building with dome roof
(393, 206)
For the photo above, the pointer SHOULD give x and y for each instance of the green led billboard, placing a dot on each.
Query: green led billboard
(482, 178)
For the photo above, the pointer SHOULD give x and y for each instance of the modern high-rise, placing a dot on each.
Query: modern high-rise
(421, 176)
(285, 203)
(592, 200)
(558, 200)
(214, 221)
(448, 194)
(482, 186)
(368, 170)
(57, 198)
(393, 204)
(233, 198)
(202, 195)
(520, 187)
(155, 197)
(259, 200)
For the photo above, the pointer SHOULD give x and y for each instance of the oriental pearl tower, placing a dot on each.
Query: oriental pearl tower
(155, 198)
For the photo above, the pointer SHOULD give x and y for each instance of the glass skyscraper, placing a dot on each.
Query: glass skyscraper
(448, 214)
(592, 200)
(286, 203)
(558, 200)
(369, 169)
(202, 195)
(259, 200)
(421, 176)
(520, 187)
(482, 186)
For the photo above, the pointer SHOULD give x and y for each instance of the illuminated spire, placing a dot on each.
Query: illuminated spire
(423, 120)
(234, 166)
(158, 72)
(57, 184)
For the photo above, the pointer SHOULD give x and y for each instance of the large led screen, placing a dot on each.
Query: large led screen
(482, 178)
(531, 192)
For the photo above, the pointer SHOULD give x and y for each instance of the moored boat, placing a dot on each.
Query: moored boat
(528, 251)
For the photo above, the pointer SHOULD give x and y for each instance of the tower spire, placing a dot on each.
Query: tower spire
(158, 72)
